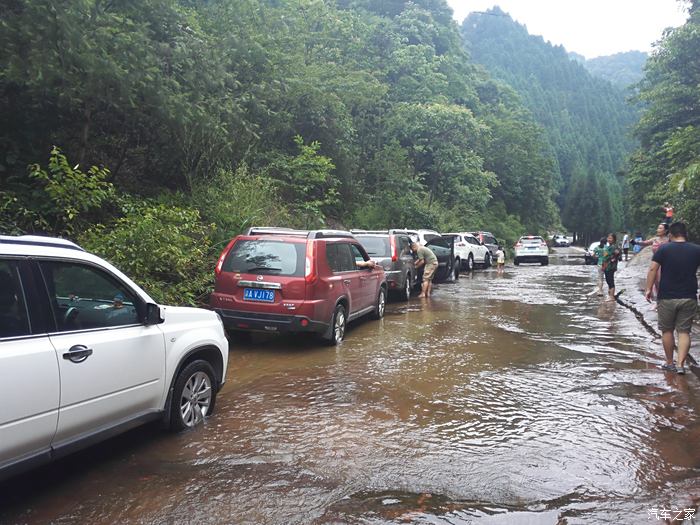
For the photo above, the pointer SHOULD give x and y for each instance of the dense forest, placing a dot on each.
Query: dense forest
(622, 69)
(588, 121)
(666, 166)
(153, 131)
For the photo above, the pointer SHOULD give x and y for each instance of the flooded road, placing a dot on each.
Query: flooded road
(502, 399)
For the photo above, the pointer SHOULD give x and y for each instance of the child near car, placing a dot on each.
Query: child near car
(500, 260)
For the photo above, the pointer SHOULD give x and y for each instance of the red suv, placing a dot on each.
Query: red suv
(282, 280)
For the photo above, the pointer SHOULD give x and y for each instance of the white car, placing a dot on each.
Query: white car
(85, 354)
(531, 248)
(561, 241)
(470, 251)
(422, 236)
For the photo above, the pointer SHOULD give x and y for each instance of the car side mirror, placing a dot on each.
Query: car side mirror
(153, 314)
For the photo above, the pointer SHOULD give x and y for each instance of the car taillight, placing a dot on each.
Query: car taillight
(310, 270)
(394, 253)
(518, 245)
(222, 258)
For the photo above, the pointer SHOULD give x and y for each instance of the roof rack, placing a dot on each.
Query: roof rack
(311, 234)
(371, 232)
(39, 240)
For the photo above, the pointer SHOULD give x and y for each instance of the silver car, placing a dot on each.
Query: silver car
(392, 251)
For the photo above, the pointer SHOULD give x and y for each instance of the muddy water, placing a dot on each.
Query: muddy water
(503, 399)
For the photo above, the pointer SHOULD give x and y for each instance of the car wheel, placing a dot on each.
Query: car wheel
(487, 260)
(380, 307)
(456, 271)
(470, 263)
(194, 395)
(406, 295)
(516, 261)
(544, 261)
(336, 331)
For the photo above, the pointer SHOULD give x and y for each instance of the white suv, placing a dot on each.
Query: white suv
(531, 248)
(85, 354)
(470, 251)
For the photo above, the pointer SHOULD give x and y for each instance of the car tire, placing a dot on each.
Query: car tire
(194, 395)
(407, 288)
(544, 261)
(516, 261)
(487, 260)
(456, 270)
(470, 263)
(336, 331)
(380, 306)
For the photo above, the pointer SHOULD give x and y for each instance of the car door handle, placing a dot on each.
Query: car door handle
(346, 281)
(78, 353)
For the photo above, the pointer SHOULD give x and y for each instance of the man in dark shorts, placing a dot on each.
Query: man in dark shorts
(428, 259)
(678, 292)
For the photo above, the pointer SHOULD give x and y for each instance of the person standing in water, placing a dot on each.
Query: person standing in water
(611, 256)
(678, 293)
(428, 259)
(655, 243)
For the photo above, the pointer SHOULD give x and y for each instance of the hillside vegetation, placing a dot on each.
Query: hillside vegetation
(153, 131)
(588, 121)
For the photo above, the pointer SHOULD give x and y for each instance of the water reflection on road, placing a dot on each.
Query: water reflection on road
(503, 399)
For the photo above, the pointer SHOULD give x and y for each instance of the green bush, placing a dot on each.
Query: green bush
(166, 249)
(234, 201)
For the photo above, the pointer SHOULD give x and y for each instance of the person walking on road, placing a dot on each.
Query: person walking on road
(427, 259)
(678, 293)
(500, 260)
(626, 245)
(611, 256)
(598, 254)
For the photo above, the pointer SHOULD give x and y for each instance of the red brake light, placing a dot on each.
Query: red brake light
(310, 270)
(222, 257)
(394, 253)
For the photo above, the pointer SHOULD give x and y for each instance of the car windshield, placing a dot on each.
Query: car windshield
(266, 257)
(534, 240)
(375, 246)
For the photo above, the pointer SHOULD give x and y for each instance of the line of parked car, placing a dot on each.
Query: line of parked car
(284, 280)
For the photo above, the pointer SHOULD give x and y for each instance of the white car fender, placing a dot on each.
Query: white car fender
(182, 338)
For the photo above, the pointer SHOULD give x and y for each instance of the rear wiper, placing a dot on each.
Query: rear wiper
(261, 268)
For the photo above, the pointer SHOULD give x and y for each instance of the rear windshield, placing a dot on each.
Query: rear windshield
(536, 240)
(430, 237)
(266, 257)
(375, 246)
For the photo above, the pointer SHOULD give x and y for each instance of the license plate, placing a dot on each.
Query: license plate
(255, 294)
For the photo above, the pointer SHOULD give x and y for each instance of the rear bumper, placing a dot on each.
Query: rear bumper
(260, 322)
(534, 257)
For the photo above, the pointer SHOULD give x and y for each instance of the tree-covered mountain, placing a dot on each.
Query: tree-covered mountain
(622, 69)
(666, 166)
(201, 117)
(587, 120)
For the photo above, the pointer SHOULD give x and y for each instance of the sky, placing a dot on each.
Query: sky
(590, 28)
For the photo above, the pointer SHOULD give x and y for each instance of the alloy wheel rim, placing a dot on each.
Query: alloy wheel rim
(382, 303)
(407, 291)
(196, 399)
(339, 326)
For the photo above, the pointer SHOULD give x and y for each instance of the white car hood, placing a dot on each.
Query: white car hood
(186, 313)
